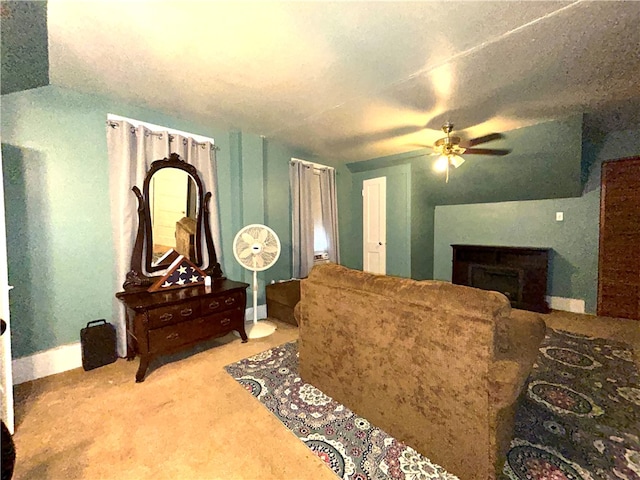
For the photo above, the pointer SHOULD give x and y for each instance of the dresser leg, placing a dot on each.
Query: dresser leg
(142, 369)
(243, 334)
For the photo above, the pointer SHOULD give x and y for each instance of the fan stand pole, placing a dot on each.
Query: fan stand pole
(255, 297)
(263, 328)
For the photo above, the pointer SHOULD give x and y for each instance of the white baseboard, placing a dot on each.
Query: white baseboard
(48, 362)
(262, 313)
(67, 357)
(574, 305)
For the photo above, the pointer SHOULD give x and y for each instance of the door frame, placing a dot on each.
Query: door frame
(382, 212)
(5, 340)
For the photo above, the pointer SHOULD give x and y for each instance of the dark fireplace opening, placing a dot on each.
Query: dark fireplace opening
(507, 281)
(518, 272)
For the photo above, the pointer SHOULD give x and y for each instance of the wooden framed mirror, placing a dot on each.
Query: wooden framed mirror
(173, 220)
(173, 206)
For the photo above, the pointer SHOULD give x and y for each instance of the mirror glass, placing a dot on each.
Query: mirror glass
(173, 205)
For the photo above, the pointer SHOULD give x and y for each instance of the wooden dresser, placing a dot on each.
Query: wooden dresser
(167, 321)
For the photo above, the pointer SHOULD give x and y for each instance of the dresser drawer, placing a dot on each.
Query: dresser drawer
(167, 338)
(160, 317)
(226, 321)
(223, 302)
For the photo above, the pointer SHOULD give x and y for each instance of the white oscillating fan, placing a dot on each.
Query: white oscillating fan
(257, 247)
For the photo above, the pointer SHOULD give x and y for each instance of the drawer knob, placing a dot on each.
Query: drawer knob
(165, 317)
(172, 336)
(213, 305)
(185, 312)
(230, 301)
(225, 322)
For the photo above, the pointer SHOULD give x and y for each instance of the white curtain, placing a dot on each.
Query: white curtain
(300, 179)
(329, 200)
(131, 151)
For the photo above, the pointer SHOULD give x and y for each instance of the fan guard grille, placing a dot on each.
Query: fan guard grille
(256, 247)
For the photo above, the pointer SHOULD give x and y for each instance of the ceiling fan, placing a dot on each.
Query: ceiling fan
(449, 149)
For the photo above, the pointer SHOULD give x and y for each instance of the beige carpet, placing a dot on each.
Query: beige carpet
(188, 420)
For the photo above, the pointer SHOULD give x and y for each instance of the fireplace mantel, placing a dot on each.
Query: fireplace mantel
(518, 272)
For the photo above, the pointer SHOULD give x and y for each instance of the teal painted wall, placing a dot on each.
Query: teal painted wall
(573, 270)
(422, 228)
(350, 252)
(55, 170)
(277, 206)
(398, 220)
(247, 187)
(229, 193)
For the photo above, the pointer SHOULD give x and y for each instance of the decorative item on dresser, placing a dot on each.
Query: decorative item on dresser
(520, 273)
(165, 320)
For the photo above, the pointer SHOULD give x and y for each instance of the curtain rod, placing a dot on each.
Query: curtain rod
(316, 166)
(113, 124)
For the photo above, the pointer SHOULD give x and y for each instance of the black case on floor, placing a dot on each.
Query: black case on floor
(98, 340)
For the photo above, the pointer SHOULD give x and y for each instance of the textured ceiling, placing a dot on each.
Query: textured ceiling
(356, 80)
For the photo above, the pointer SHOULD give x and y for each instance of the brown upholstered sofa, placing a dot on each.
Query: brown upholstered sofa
(436, 365)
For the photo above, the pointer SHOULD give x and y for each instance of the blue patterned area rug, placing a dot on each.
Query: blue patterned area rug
(579, 418)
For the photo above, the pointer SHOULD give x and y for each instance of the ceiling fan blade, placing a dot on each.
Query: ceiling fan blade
(376, 136)
(484, 139)
(487, 151)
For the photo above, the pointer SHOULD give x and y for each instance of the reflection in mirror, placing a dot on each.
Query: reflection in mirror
(173, 207)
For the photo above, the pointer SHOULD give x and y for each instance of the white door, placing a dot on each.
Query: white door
(374, 225)
(170, 187)
(5, 344)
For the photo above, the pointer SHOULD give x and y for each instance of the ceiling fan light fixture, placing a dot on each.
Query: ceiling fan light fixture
(441, 164)
(456, 160)
(449, 150)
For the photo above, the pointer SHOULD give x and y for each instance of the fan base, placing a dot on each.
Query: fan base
(261, 329)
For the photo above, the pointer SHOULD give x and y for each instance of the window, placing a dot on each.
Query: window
(314, 213)
(320, 243)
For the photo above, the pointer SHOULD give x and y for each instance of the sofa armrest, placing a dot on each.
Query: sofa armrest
(519, 337)
(297, 312)
(506, 379)
(517, 343)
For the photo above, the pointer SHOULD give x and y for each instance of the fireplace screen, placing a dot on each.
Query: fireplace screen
(505, 280)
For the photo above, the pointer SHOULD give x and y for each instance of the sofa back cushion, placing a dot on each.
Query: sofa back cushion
(412, 357)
